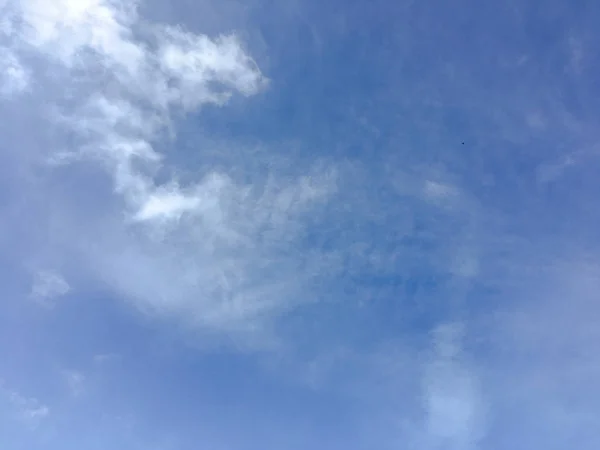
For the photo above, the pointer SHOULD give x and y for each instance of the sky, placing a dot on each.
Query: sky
(244, 225)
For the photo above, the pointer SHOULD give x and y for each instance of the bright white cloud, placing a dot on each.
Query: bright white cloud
(168, 204)
(193, 62)
(64, 29)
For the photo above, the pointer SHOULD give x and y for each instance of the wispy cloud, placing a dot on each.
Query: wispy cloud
(351, 261)
(542, 364)
(14, 78)
(29, 410)
(453, 402)
(217, 250)
(105, 358)
(75, 381)
(48, 286)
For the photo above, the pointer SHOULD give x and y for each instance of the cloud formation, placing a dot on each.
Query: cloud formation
(331, 257)
(14, 77)
(215, 249)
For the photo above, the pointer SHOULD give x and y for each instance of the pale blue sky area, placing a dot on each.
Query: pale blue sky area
(299, 225)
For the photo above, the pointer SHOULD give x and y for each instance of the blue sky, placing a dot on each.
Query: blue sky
(296, 224)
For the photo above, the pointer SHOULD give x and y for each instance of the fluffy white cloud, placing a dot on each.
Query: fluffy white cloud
(193, 62)
(217, 250)
(64, 29)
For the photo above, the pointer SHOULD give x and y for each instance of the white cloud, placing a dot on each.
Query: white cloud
(47, 286)
(175, 70)
(191, 63)
(14, 78)
(63, 29)
(167, 204)
(227, 256)
(231, 264)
